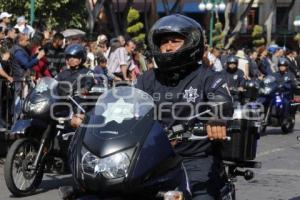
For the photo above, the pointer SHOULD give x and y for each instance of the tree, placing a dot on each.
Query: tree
(297, 39)
(93, 8)
(125, 14)
(135, 27)
(257, 36)
(109, 6)
(176, 8)
(286, 15)
(153, 12)
(218, 36)
(227, 18)
(268, 22)
(238, 26)
(51, 13)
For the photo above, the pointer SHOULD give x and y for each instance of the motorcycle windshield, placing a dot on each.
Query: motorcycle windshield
(38, 102)
(269, 79)
(118, 111)
(269, 85)
(45, 84)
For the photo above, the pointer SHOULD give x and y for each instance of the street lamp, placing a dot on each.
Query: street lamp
(297, 21)
(32, 10)
(297, 24)
(212, 6)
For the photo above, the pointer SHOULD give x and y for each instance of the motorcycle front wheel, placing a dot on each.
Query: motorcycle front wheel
(21, 177)
(288, 125)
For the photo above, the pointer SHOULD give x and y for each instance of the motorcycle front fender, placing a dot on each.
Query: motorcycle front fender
(21, 126)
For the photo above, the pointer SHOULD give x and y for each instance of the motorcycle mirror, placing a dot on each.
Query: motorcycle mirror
(64, 89)
(204, 112)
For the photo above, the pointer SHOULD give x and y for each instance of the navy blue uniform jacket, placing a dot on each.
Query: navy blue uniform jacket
(200, 85)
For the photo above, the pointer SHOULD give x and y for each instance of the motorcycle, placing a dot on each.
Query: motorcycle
(240, 152)
(120, 150)
(275, 108)
(249, 94)
(44, 137)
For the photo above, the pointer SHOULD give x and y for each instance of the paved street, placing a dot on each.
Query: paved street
(278, 179)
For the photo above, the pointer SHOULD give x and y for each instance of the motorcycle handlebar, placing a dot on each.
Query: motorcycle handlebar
(198, 132)
(201, 130)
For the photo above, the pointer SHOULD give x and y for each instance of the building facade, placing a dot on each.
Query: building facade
(262, 8)
(283, 29)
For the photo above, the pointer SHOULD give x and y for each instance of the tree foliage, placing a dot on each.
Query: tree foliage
(234, 34)
(135, 27)
(257, 36)
(54, 13)
(218, 35)
(297, 38)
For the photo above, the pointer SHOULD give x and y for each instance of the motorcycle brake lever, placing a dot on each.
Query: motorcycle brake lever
(195, 137)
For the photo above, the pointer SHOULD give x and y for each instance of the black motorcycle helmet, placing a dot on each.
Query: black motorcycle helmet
(77, 51)
(283, 62)
(232, 59)
(192, 50)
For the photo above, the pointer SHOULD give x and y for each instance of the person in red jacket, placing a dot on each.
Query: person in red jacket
(40, 68)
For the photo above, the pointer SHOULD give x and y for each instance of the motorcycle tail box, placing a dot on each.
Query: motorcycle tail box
(243, 143)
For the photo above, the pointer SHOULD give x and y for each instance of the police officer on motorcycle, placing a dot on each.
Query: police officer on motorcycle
(76, 79)
(234, 77)
(285, 79)
(286, 82)
(177, 44)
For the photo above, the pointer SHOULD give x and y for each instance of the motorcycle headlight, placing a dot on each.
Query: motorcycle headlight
(111, 167)
(268, 90)
(38, 107)
(278, 99)
(237, 114)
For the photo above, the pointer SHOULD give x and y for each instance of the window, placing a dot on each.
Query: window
(252, 18)
(281, 22)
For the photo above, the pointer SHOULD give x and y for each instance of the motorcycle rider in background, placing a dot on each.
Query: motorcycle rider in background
(177, 44)
(286, 82)
(75, 58)
(234, 77)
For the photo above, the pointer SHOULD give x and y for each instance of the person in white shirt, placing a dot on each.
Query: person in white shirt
(5, 20)
(243, 63)
(23, 26)
(214, 60)
(120, 62)
(102, 43)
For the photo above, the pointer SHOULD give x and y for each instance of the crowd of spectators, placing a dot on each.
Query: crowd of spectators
(255, 63)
